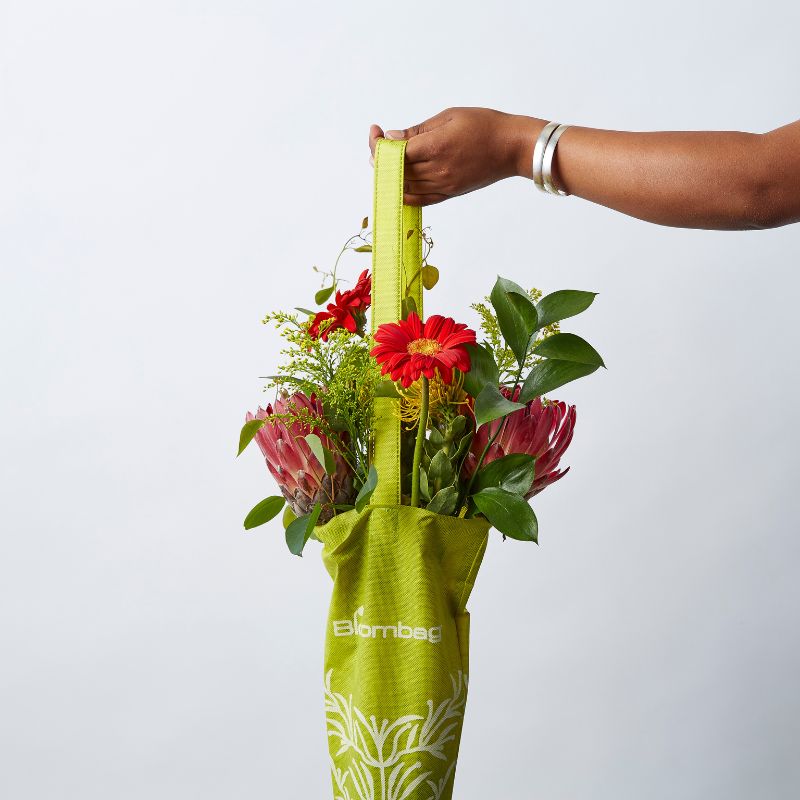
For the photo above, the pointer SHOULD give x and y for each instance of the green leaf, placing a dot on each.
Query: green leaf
(430, 276)
(563, 304)
(367, 489)
(444, 501)
(548, 375)
(440, 472)
(364, 223)
(299, 531)
(288, 516)
(249, 430)
(514, 473)
(424, 489)
(264, 511)
(526, 309)
(512, 324)
(322, 295)
(490, 405)
(321, 453)
(305, 311)
(483, 370)
(407, 305)
(364, 248)
(568, 347)
(508, 512)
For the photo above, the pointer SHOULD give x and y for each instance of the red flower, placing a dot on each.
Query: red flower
(347, 311)
(409, 348)
(542, 430)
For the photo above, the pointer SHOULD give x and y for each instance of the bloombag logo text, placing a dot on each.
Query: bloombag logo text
(356, 627)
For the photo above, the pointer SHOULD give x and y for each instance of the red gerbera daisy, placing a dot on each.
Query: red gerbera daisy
(347, 311)
(409, 348)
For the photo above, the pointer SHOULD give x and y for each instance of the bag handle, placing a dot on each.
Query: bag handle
(396, 265)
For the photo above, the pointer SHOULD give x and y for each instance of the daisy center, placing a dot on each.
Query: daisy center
(425, 347)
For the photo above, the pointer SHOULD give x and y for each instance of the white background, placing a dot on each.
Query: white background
(169, 171)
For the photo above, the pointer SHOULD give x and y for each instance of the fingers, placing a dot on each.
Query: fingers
(423, 199)
(421, 187)
(375, 133)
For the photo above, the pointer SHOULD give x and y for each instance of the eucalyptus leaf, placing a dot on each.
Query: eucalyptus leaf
(305, 311)
(508, 512)
(430, 276)
(299, 531)
(563, 304)
(367, 489)
(548, 375)
(491, 404)
(444, 501)
(483, 370)
(322, 295)
(514, 473)
(512, 324)
(568, 347)
(248, 433)
(407, 306)
(264, 511)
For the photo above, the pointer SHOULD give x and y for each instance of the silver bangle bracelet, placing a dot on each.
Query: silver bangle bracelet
(538, 154)
(547, 162)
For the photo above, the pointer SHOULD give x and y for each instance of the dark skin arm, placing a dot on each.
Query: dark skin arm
(713, 180)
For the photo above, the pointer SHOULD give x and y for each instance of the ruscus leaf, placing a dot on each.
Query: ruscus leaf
(562, 304)
(508, 512)
(264, 511)
(490, 405)
(514, 473)
(512, 324)
(483, 370)
(548, 375)
(568, 347)
(299, 531)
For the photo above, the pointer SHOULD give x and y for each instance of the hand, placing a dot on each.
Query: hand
(460, 150)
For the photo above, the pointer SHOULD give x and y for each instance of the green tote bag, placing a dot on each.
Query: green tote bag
(397, 642)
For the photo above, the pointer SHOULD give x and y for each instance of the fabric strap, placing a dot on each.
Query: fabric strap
(396, 264)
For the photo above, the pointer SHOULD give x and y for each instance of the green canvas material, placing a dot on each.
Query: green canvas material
(397, 649)
(396, 264)
(397, 642)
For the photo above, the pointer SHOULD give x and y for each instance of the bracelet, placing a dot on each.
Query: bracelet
(538, 154)
(543, 153)
(547, 162)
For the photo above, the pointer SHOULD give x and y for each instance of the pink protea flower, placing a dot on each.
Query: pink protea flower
(299, 475)
(541, 429)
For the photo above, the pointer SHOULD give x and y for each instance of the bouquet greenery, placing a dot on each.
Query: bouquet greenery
(480, 437)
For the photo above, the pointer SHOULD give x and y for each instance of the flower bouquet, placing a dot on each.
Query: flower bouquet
(398, 449)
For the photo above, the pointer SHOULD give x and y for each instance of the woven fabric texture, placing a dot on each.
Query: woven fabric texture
(397, 641)
(397, 649)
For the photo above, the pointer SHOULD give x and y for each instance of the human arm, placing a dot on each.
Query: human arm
(715, 180)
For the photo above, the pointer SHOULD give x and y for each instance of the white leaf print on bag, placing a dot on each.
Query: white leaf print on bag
(385, 755)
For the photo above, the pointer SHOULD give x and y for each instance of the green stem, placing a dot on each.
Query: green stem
(491, 439)
(422, 428)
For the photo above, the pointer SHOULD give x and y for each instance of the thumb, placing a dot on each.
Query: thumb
(414, 130)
